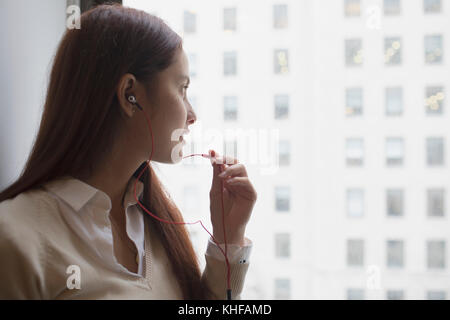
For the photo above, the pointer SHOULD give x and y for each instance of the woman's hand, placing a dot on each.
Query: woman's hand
(239, 197)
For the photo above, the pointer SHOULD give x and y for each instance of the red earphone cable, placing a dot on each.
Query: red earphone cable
(175, 222)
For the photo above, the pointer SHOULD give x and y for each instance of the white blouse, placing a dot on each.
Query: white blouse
(86, 209)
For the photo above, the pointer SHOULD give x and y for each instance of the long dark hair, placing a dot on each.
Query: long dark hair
(81, 117)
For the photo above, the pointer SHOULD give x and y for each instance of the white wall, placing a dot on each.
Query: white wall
(29, 34)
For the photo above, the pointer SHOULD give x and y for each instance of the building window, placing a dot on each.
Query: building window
(435, 254)
(282, 245)
(355, 294)
(392, 7)
(230, 148)
(229, 19)
(355, 252)
(436, 295)
(435, 151)
(436, 202)
(230, 108)
(434, 100)
(230, 63)
(352, 8)
(432, 6)
(280, 16)
(355, 203)
(189, 21)
(354, 101)
(282, 289)
(394, 250)
(392, 51)
(394, 101)
(394, 152)
(192, 58)
(281, 61)
(395, 295)
(354, 152)
(194, 104)
(281, 102)
(353, 52)
(433, 49)
(282, 198)
(191, 161)
(394, 202)
(285, 153)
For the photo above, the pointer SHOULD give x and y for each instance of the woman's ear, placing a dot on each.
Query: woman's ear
(126, 88)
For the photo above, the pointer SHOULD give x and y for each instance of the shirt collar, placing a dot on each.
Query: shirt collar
(77, 193)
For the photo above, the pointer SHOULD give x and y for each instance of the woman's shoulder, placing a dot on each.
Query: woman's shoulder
(23, 219)
(24, 240)
(27, 207)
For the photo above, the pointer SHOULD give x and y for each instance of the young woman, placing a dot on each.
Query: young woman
(70, 226)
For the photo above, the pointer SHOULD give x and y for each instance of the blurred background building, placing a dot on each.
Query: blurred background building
(356, 90)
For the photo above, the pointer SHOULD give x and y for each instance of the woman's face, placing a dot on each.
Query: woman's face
(170, 112)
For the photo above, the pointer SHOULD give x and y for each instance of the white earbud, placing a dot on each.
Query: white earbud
(132, 99)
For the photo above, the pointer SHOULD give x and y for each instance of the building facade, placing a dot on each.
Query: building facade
(357, 90)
